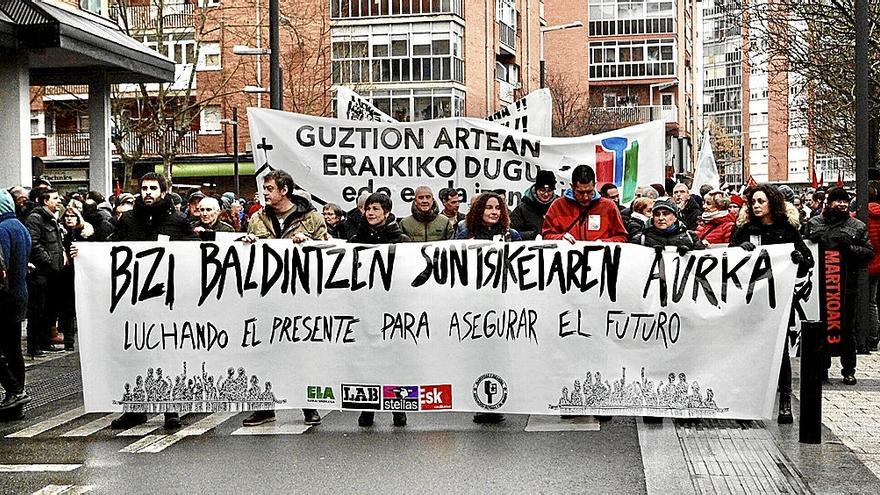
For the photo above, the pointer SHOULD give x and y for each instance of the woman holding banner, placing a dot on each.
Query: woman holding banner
(768, 221)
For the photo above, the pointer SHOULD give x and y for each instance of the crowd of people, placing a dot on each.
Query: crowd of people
(39, 231)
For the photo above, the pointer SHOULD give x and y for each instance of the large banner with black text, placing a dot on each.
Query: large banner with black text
(336, 160)
(531, 327)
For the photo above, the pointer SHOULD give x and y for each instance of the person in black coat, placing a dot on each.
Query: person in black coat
(378, 226)
(15, 246)
(666, 229)
(153, 215)
(48, 258)
(766, 221)
(528, 217)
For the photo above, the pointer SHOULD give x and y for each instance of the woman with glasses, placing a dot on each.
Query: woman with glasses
(334, 217)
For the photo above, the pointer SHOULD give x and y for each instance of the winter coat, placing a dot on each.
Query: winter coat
(387, 233)
(528, 216)
(303, 220)
(350, 227)
(635, 224)
(147, 223)
(47, 250)
(15, 241)
(101, 218)
(420, 227)
(210, 232)
(601, 223)
(488, 234)
(778, 233)
(874, 237)
(716, 230)
(691, 213)
(677, 236)
(847, 234)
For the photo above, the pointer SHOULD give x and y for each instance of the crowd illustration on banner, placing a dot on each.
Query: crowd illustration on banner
(157, 393)
(596, 394)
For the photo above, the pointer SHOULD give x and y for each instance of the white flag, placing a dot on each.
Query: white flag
(707, 171)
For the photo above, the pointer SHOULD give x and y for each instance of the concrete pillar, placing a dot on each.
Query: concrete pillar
(100, 161)
(15, 114)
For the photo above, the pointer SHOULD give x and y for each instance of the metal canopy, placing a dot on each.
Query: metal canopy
(69, 46)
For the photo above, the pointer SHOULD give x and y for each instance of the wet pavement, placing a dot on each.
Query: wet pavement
(57, 448)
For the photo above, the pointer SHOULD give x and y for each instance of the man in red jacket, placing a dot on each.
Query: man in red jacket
(873, 332)
(581, 214)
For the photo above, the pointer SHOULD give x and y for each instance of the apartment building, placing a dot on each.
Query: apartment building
(635, 61)
(415, 59)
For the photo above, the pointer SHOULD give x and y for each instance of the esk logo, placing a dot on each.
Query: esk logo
(490, 391)
(356, 396)
(319, 394)
(400, 398)
(435, 397)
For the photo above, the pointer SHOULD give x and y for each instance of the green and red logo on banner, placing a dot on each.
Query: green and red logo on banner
(617, 161)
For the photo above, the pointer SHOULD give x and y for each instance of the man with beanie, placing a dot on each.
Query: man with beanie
(582, 215)
(835, 229)
(152, 216)
(528, 217)
(15, 247)
(666, 229)
(426, 224)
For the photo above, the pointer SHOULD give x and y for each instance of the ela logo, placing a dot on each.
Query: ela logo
(490, 391)
(400, 398)
(319, 394)
(617, 161)
(356, 396)
(435, 397)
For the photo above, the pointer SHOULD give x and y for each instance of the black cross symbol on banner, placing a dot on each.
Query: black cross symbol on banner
(266, 148)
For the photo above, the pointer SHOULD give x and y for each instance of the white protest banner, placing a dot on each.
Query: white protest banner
(336, 160)
(532, 114)
(352, 106)
(531, 327)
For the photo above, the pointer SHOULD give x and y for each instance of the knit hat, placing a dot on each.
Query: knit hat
(7, 205)
(198, 195)
(665, 203)
(737, 200)
(175, 198)
(545, 178)
(787, 193)
(125, 197)
(837, 194)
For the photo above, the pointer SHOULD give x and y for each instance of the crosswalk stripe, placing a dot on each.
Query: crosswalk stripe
(143, 442)
(162, 442)
(543, 422)
(152, 424)
(42, 426)
(273, 429)
(64, 489)
(91, 427)
(37, 468)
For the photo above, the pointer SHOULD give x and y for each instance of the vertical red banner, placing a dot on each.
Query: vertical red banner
(604, 165)
(832, 282)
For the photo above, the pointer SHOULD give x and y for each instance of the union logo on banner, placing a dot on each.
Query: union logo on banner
(617, 161)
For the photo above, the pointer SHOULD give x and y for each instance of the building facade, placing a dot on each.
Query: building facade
(635, 61)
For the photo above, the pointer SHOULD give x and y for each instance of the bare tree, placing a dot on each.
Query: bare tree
(572, 114)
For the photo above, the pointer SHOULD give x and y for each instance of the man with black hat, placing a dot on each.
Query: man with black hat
(835, 229)
(665, 228)
(528, 217)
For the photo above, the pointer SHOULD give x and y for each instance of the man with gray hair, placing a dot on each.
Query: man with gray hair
(426, 224)
(209, 222)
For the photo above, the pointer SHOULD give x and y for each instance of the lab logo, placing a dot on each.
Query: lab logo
(435, 397)
(319, 394)
(617, 161)
(400, 398)
(490, 391)
(355, 396)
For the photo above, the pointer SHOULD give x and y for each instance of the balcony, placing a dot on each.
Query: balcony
(631, 115)
(69, 92)
(69, 144)
(143, 17)
(507, 37)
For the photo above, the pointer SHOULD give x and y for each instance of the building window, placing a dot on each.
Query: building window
(38, 123)
(210, 119)
(93, 6)
(618, 17)
(632, 59)
(418, 104)
(356, 9)
(209, 56)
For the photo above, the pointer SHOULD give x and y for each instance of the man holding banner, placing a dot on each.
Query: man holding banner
(581, 214)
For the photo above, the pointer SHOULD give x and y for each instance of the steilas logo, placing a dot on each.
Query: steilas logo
(617, 161)
(435, 397)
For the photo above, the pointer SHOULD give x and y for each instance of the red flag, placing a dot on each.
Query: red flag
(752, 182)
(839, 179)
(822, 179)
(116, 189)
(815, 181)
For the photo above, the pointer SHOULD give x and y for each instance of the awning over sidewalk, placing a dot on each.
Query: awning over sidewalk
(64, 43)
(208, 169)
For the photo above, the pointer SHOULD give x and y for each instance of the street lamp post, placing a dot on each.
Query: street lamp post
(274, 59)
(559, 27)
(234, 124)
(863, 147)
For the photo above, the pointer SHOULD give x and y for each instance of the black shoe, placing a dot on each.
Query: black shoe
(488, 418)
(128, 420)
(35, 353)
(785, 417)
(68, 348)
(365, 419)
(13, 400)
(311, 417)
(862, 351)
(603, 418)
(258, 418)
(172, 421)
(399, 418)
(849, 380)
(652, 420)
